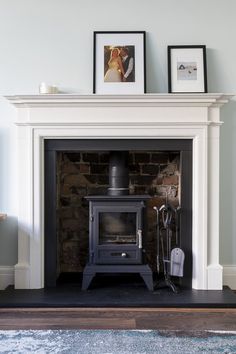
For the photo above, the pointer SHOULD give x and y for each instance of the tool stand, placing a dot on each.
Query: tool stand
(166, 214)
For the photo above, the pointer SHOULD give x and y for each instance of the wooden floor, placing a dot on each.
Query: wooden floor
(119, 318)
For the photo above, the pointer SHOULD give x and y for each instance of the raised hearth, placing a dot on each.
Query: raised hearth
(195, 117)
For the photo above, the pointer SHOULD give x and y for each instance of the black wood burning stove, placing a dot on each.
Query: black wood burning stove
(117, 228)
(116, 237)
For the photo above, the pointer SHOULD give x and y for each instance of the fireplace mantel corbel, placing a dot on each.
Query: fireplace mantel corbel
(149, 116)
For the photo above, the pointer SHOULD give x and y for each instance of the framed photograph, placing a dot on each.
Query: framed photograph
(187, 71)
(119, 63)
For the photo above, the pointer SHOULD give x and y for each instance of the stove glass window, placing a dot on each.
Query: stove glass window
(117, 228)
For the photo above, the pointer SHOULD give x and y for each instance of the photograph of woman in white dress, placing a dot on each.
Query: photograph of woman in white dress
(114, 70)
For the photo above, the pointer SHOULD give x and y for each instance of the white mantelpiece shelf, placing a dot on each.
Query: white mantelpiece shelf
(159, 116)
(200, 100)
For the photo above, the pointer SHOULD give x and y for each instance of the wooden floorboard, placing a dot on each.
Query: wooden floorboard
(119, 318)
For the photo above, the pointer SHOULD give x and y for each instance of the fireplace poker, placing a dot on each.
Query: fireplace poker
(166, 213)
(158, 240)
(177, 225)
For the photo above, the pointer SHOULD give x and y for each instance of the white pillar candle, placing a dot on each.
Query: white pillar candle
(47, 89)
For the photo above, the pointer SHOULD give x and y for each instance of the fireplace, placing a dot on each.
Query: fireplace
(42, 118)
(67, 163)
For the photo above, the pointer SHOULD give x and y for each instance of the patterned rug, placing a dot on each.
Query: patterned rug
(116, 342)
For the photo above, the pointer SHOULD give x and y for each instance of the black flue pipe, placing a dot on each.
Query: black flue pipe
(118, 173)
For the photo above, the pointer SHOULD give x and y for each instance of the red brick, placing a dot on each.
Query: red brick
(168, 170)
(73, 156)
(160, 157)
(150, 169)
(65, 189)
(72, 179)
(142, 157)
(69, 167)
(84, 168)
(71, 224)
(171, 180)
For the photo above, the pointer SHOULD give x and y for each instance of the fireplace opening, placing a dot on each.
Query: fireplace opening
(157, 170)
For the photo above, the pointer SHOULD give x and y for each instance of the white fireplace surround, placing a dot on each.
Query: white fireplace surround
(159, 116)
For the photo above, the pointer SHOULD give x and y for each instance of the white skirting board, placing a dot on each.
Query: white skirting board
(7, 276)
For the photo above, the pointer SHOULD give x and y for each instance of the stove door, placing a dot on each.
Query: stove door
(118, 231)
(117, 228)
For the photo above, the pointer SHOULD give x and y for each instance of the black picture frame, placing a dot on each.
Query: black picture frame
(104, 42)
(187, 69)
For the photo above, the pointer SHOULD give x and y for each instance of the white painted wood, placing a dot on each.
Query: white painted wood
(214, 269)
(194, 116)
(163, 100)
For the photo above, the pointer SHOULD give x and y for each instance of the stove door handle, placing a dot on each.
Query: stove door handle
(140, 239)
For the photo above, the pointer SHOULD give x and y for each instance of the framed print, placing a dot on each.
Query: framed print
(119, 63)
(187, 69)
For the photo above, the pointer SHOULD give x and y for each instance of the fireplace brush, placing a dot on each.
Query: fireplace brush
(172, 259)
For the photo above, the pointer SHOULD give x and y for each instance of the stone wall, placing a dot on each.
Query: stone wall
(82, 173)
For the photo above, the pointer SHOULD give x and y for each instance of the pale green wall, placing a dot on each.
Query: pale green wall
(52, 41)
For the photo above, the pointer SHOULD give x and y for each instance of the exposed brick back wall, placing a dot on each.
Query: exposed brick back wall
(83, 173)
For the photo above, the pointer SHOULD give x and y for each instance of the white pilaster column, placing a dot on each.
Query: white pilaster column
(214, 269)
(22, 268)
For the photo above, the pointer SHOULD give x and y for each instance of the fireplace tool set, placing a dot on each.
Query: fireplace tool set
(172, 259)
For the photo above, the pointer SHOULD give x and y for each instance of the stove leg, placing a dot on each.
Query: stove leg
(87, 278)
(148, 280)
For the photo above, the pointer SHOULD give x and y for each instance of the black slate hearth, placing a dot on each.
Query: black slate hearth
(107, 291)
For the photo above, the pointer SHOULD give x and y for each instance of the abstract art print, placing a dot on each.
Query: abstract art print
(187, 69)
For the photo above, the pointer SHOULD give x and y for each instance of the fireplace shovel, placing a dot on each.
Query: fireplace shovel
(177, 262)
(177, 255)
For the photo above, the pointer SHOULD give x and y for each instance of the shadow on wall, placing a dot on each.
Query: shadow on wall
(227, 184)
(8, 241)
(213, 81)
